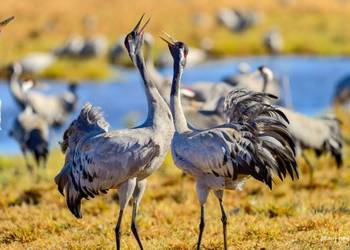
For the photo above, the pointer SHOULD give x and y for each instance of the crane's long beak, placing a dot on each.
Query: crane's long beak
(5, 22)
(137, 27)
(170, 43)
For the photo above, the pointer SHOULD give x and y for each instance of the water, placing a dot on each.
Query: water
(312, 83)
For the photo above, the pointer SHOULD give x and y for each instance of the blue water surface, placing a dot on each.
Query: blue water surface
(312, 84)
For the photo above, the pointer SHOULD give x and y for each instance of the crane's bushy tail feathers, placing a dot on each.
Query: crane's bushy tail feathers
(90, 119)
(68, 188)
(264, 134)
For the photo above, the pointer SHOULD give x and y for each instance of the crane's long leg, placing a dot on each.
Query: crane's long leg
(201, 227)
(25, 156)
(44, 161)
(311, 167)
(138, 193)
(125, 192)
(220, 194)
(202, 193)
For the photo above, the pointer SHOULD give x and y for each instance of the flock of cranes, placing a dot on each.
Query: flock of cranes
(39, 112)
(219, 133)
(243, 135)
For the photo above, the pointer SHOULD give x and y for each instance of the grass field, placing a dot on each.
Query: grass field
(312, 27)
(294, 215)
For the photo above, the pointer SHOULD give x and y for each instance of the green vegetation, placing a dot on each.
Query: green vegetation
(75, 69)
(294, 215)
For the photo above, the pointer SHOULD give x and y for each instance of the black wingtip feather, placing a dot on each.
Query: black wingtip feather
(256, 116)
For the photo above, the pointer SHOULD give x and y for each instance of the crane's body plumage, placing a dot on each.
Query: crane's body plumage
(254, 142)
(55, 109)
(31, 132)
(319, 134)
(251, 81)
(98, 159)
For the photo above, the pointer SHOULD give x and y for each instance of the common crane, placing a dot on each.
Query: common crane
(273, 41)
(321, 135)
(98, 160)
(252, 82)
(237, 20)
(55, 109)
(254, 143)
(31, 132)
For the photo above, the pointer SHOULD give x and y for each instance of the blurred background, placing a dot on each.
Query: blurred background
(72, 52)
(305, 43)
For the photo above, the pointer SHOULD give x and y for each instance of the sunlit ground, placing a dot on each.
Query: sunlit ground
(294, 215)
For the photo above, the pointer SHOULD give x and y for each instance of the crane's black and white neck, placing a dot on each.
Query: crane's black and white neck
(157, 107)
(175, 95)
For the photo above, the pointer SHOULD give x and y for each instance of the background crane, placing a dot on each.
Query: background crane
(55, 109)
(319, 134)
(31, 132)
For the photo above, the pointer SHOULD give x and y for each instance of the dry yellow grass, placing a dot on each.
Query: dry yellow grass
(33, 215)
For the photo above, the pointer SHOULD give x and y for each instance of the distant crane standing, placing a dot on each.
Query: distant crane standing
(251, 81)
(98, 160)
(206, 118)
(254, 143)
(55, 109)
(31, 132)
(273, 41)
(319, 134)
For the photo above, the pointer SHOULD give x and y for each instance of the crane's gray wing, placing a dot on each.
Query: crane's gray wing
(254, 142)
(244, 106)
(102, 162)
(240, 150)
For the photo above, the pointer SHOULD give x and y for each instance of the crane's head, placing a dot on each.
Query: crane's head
(27, 85)
(178, 50)
(15, 69)
(134, 40)
(5, 22)
(266, 73)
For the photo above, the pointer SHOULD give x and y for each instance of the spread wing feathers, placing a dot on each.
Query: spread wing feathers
(90, 120)
(255, 142)
(240, 149)
(101, 163)
(97, 160)
(242, 105)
